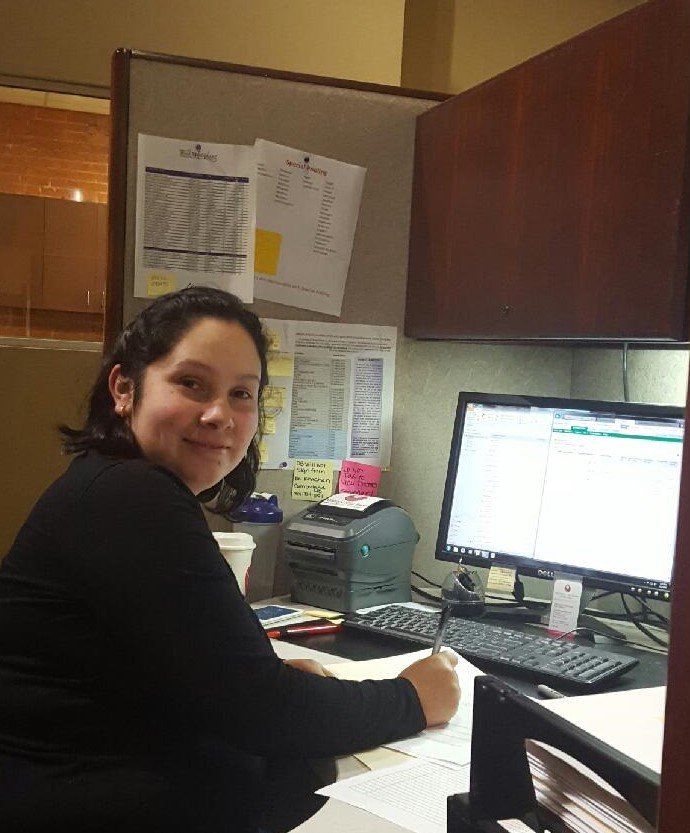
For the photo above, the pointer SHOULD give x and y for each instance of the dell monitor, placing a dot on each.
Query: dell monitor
(554, 485)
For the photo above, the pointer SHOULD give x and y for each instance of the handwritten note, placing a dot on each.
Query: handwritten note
(359, 478)
(312, 480)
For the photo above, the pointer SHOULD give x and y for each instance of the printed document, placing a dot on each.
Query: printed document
(412, 795)
(330, 393)
(452, 742)
(195, 216)
(307, 208)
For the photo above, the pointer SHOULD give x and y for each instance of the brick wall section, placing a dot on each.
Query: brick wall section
(46, 152)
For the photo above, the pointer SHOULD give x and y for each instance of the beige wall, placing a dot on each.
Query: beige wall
(72, 40)
(451, 45)
(41, 388)
(655, 376)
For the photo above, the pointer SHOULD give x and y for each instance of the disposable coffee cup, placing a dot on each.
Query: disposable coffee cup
(237, 549)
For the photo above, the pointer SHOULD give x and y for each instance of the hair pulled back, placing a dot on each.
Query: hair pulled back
(150, 336)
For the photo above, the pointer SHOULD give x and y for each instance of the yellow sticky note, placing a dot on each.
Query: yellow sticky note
(267, 251)
(269, 425)
(274, 397)
(273, 338)
(324, 614)
(158, 284)
(281, 364)
(501, 579)
(263, 453)
(312, 480)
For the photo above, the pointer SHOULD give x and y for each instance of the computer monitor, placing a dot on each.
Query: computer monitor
(553, 485)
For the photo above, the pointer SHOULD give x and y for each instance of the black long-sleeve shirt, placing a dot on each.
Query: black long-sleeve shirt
(130, 664)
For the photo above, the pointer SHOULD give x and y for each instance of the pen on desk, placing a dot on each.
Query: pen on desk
(548, 692)
(303, 629)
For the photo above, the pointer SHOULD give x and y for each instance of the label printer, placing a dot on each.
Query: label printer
(350, 552)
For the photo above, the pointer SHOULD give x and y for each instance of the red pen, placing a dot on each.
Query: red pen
(304, 629)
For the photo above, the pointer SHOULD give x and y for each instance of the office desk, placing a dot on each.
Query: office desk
(356, 645)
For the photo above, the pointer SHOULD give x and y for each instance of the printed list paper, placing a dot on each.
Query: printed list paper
(307, 208)
(330, 394)
(195, 216)
(412, 794)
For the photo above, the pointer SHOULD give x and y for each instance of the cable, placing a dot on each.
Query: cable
(424, 578)
(651, 611)
(425, 595)
(640, 626)
(624, 617)
(626, 389)
(641, 617)
(621, 638)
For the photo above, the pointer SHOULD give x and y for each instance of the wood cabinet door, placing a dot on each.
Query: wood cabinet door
(71, 278)
(21, 250)
(551, 202)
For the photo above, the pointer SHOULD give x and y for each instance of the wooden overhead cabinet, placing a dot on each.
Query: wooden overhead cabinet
(551, 202)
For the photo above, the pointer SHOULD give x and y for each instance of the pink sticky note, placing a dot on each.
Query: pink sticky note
(359, 478)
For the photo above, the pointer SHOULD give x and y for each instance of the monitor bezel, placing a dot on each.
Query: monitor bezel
(596, 579)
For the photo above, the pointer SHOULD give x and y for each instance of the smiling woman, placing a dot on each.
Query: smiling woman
(182, 388)
(138, 690)
(199, 410)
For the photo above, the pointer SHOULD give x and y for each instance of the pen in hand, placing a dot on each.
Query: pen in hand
(441, 629)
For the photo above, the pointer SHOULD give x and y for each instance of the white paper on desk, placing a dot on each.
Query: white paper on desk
(286, 650)
(453, 741)
(307, 208)
(412, 795)
(195, 216)
(630, 721)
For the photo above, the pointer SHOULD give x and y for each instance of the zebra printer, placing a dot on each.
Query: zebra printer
(349, 552)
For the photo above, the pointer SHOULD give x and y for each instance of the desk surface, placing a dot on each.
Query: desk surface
(357, 645)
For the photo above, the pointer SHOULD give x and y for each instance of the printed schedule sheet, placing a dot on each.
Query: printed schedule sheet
(195, 216)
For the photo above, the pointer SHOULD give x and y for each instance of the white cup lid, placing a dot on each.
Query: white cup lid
(234, 540)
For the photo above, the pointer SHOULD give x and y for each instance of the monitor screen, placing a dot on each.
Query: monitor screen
(548, 485)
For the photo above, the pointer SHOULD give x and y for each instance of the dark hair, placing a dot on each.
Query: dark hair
(151, 335)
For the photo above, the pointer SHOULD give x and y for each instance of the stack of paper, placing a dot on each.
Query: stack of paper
(575, 794)
(630, 721)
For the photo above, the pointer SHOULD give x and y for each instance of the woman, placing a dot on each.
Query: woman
(138, 690)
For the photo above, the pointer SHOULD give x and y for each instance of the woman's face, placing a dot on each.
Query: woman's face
(197, 409)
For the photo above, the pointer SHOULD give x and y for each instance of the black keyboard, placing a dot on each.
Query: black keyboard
(544, 658)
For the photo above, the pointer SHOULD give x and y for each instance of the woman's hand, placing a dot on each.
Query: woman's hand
(437, 686)
(310, 666)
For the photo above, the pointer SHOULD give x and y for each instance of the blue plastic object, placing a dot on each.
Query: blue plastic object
(258, 509)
